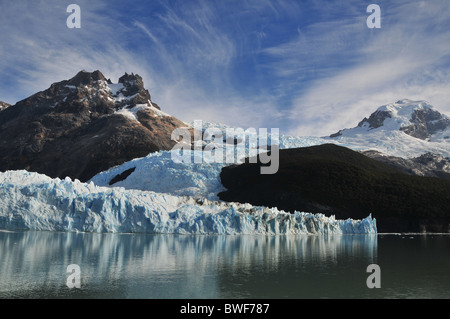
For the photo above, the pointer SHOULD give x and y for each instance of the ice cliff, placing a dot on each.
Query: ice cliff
(31, 201)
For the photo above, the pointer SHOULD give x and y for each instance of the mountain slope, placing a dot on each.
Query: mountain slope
(337, 181)
(82, 126)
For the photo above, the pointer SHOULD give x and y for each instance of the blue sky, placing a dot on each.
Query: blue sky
(306, 67)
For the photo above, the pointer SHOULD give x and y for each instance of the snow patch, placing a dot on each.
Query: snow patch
(157, 112)
(114, 89)
(131, 113)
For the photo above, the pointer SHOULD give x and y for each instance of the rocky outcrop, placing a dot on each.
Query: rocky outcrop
(82, 126)
(3, 106)
(425, 123)
(430, 165)
(375, 120)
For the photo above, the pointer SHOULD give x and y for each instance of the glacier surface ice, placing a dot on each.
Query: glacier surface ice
(158, 172)
(31, 201)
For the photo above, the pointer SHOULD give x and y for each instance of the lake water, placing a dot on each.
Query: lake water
(34, 265)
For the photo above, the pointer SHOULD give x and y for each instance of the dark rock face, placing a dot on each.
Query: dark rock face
(121, 177)
(333, 180)
(75, 128)
(132, 91)
(336, 134)
(431, 165)
(425, 123)
(376, 120)
(86, 78)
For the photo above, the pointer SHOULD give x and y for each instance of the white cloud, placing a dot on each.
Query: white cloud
(189, 102)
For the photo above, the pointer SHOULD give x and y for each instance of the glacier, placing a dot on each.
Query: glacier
(159, 173)
(31, 201)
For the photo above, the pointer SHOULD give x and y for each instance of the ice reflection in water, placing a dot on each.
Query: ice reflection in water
(33, 265)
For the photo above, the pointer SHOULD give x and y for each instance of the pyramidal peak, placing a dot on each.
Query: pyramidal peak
(86, 78)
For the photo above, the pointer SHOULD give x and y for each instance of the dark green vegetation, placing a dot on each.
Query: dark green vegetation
(337, 181)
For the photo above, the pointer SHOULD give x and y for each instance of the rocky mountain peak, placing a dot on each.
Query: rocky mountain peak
(130, 91)
(425, 123)
(131, 80)
(84, 125)
(86, 78)
(91, 93)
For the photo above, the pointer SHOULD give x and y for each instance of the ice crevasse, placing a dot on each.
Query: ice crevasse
(30, 201)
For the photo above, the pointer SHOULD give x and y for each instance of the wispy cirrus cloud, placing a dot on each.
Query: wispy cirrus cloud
(38, 48)
(184, 52)
(307, 67)
(362, 69)
(200, 49)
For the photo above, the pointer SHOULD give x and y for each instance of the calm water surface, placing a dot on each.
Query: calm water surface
(34, 264)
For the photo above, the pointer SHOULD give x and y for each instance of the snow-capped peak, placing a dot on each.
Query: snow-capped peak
(405, 108)
(395, 116)
(406, 128)
(416, 118)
